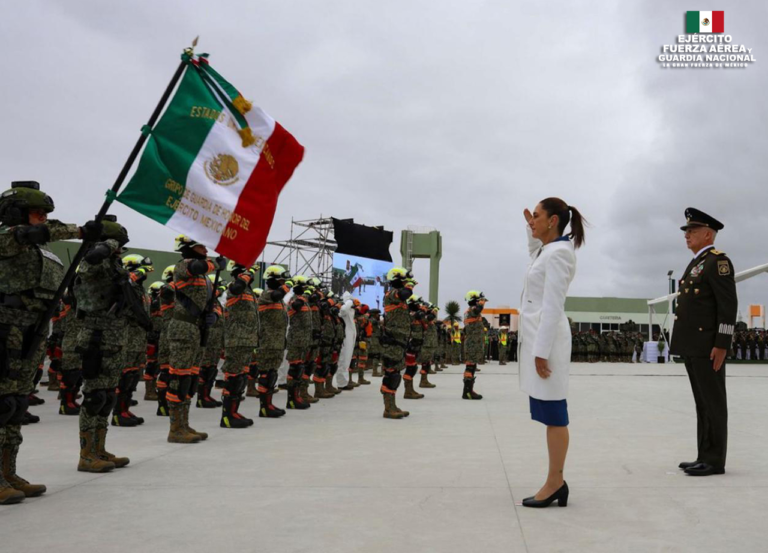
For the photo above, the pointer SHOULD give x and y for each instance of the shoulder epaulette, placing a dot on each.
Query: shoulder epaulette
(717, 252)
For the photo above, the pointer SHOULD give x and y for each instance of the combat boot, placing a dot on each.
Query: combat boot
(230, 418)
(304, 390)
(431, 370)
(8, 494)
(34, 400)
(150, 390)
(389, 407)
(204, 401)
(89, 459)
(469, 389)
(329, 387)
(396, 408)
(178, 434)
(266, 409)
(17, 482)
(29, 418)
(321, 392)
(294, 400)
(376, 373)
(53, 383)
(425, 383)
(69, 405)
(410, 393)
(361, 377)
(101, 440)
(185, 421)
(251, 390)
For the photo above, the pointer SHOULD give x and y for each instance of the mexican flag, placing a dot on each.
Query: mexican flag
(705, 22)
(213, 166)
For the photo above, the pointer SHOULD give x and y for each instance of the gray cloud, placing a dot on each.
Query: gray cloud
(454, 115)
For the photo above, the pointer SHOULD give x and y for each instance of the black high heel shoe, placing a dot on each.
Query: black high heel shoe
(560, 495)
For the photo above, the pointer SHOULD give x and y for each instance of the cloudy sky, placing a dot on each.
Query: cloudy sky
(455, 114)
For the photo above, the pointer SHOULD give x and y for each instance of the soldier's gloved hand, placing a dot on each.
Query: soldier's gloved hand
(91, 231)
(28, 235)
(98, 253)
(210, 319)
(221, 263)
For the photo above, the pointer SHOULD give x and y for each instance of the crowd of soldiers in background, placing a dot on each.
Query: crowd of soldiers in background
(608, 347)
(749, 345)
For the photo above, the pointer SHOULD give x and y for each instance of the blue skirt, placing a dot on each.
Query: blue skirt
(551, 413)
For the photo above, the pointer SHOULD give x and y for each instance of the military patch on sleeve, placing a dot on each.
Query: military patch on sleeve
(723, 268)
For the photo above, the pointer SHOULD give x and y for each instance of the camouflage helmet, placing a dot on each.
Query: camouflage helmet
(112, 230)
(23, 196)
(168, 273)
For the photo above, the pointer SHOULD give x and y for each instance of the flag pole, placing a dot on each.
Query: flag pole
(41, 329)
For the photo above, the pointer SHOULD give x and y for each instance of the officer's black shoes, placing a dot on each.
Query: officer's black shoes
(686, 465)
(560, 495)
(703, 469)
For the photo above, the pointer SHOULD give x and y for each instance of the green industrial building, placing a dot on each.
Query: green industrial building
(608, 314)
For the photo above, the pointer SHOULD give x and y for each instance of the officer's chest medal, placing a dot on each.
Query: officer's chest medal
(696, 271)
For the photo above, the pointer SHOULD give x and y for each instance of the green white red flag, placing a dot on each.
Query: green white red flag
(213, 166)
(705, 22)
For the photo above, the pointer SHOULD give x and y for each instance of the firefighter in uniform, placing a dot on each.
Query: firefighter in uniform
(474, 341)
(395, 334)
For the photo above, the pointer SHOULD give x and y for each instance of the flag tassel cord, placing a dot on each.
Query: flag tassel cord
(41, 330)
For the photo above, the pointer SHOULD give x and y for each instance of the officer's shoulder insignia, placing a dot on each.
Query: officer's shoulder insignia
(723, 267)
(717, 252)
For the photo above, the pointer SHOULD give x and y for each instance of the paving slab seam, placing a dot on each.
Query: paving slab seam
(506, 475)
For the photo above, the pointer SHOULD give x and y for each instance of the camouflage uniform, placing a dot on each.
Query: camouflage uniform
(134, 352)
(53, 344)
(362, 324)
(474, 348)
(70, 375)
(193, 291)
(210, 356)
(412, 352)
(101, 343)
(428, 350)
(273, 322)
(167, 296)
(374, 353)
(396, 330)
(299, 346)
(322, 378)
(29, 277)
(313, 357)
(241, 338)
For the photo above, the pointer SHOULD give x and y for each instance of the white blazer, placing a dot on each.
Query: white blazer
(544, 328)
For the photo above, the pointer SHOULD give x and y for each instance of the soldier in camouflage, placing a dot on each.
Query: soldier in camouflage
(191, 318)
(214, 349)
(474, 341)
(138, 324)
(338, 342)
(362, 324)
(415, 343)
(272, 325)
(430, 346)
(327, 334)
(53, 345)
(241, 337)
(152, 368)
(167, 296)
(374, 354)
(299, 342)
(70, 376)
(396, 330)
(29, 277)
(101, 287)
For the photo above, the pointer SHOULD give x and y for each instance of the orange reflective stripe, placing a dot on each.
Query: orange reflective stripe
(166, 307)
(270, 306)
(472, 320)
(388, 308)
(191, 282)
(242, 297)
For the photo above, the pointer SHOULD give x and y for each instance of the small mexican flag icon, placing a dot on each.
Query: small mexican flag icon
(705, 22)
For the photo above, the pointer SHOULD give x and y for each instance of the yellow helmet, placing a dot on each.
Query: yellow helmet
(184, 241)
(455, 324)
(415, 298)
(155, 286)
(300, 280)
(276, 271)
(134, 261)
(258, 292)
(168, 272)
(397, 273)
(474, 295)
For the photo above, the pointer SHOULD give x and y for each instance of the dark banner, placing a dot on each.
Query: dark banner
(359, 240)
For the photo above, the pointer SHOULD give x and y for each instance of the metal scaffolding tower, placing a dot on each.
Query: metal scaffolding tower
(309, 251)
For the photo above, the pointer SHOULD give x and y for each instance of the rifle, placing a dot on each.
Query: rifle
(204, 328)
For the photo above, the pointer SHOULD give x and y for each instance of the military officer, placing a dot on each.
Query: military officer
(704, 323)
(29, 277)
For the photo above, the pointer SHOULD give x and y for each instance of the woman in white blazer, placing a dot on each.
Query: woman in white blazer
(545, 335)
